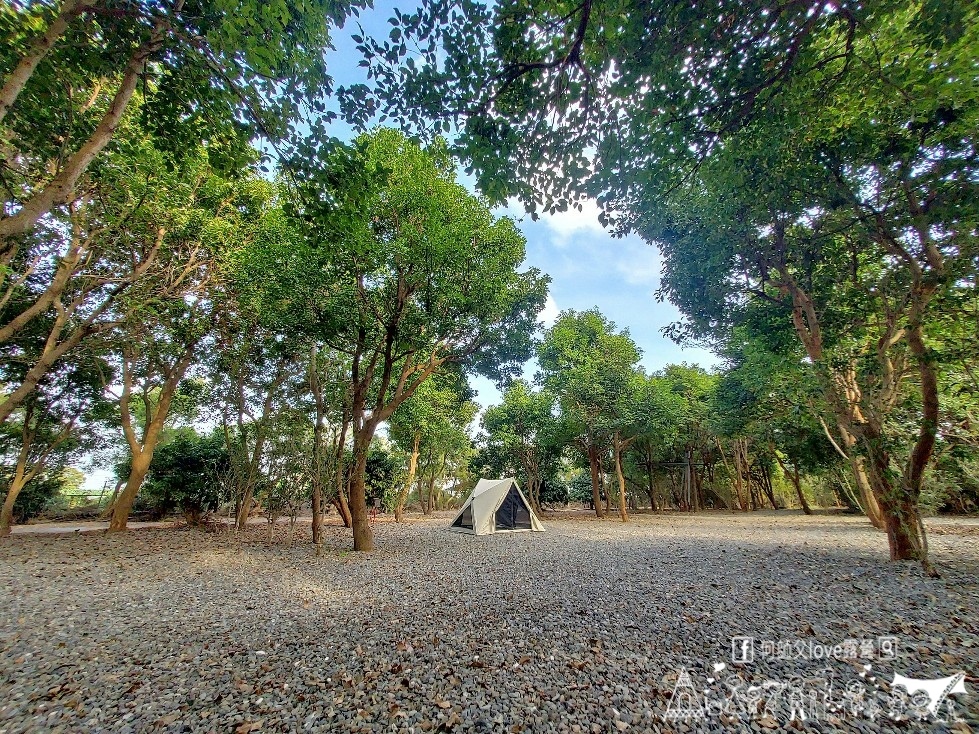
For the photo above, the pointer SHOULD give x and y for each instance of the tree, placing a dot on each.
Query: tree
(207, 70)
(522, 429)
(648, 414)
(54, 424)
(555, 101)
(164, 322)
(774, 401)
(875, 184)
(63, 279)
(588, 365)
(770, 142)
(432, 421)
(425, 277)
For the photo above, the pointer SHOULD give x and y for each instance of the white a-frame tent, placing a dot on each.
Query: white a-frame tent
(496, 506)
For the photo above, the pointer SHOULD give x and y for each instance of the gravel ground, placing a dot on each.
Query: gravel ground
(583, 628)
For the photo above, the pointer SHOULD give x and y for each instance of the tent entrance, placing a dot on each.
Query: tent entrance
(513, 513)
(465, 519)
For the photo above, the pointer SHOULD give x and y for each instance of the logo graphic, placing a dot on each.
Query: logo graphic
(685, 703)
(742, 649)
(739, 694)
(937, 689)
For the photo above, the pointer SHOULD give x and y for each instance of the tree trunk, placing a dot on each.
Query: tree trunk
(793, 476)
(21, 474)
(430, 500)
(905, 530)
(124, 503)
(7, 514)
(399, 509)
(617, 448)
(360, 519)
(871, 507)
(595, 490)
(924, 446)
(651, 484)
(766, 483)
(318, 449)
(343, 509)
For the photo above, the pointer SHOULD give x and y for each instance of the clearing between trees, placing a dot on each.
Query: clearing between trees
(582, 628)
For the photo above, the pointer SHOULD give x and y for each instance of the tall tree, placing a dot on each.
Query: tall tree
(522, 428)
(164, 322)
(424, 276)
(588, 365)
(769, 141)
(434, 418)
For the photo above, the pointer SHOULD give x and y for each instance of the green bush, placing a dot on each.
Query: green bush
(185, 475)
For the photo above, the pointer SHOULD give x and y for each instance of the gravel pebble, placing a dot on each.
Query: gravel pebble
(583, 628)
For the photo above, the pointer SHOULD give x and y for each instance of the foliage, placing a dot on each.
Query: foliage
(185, 474)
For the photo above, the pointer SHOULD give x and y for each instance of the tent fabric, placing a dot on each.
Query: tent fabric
(496, 506)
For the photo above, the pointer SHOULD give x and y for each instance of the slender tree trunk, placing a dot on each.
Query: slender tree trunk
(430, 500)
(595, 487)
(694, 481)
(793, 476)
(340, 501)
(360, 519)
(399, 509)
(766, 483)
(797, 483)
(617, 448)
(314, 384)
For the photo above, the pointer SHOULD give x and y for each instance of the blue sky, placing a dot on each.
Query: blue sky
(587, 266)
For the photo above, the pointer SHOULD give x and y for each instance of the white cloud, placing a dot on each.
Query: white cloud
(549, 315)
(565, 224)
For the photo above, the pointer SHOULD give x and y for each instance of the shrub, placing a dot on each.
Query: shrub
(185, 475)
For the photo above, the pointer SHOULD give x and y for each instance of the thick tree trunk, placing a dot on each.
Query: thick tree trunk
(903, 524)
(124, 503)
(595, 481)
(399, 509)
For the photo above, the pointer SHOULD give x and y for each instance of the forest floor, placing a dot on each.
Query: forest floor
(583, 628)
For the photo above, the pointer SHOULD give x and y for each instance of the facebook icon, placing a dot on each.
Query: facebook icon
(742, 649)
